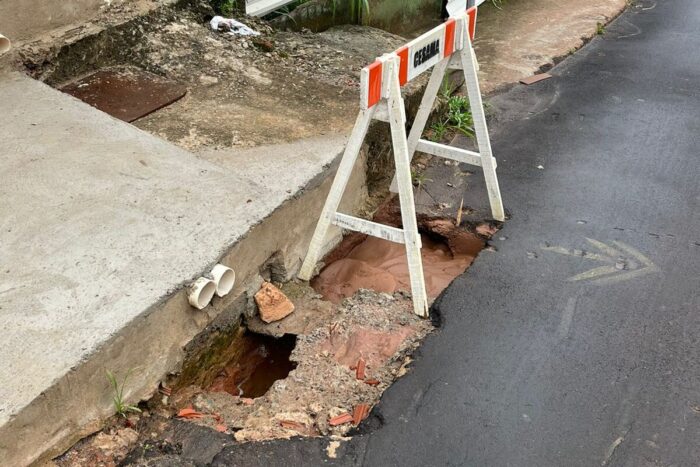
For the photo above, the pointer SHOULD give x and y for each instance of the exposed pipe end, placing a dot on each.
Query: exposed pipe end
(225, 278)
(5, 44)
(201, 292)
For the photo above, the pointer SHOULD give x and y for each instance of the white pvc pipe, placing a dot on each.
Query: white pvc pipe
(5, 44)
(224, 277)
(201, 292)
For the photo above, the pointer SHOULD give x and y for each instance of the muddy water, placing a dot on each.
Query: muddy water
(262, 360)
(381, 265)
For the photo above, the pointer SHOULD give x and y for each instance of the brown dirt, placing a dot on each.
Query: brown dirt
(381, 265)
(379, 327)
(362, 262)
(241, 95)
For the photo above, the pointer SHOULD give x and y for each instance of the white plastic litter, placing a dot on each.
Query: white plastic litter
(231, 26)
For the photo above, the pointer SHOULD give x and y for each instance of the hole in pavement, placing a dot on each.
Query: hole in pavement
(259, 362)
(363, 262)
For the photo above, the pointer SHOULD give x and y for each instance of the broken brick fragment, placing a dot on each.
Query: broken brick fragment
(220, 428)
(360, 413)
(360, 369)
(340, 419)
(372, 382)
(189, 413)
(273, 305)
(292, 425)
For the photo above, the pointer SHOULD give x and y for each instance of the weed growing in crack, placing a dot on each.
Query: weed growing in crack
(120, 406)
(600, 29)
(457, 119)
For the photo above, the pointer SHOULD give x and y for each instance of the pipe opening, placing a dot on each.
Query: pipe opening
(225, 279)
(5, 44)
(201, 293)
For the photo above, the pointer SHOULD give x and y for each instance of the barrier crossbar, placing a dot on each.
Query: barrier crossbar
(448, 46)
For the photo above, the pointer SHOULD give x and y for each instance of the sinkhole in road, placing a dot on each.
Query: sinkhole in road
(258, 362)
(364, 262)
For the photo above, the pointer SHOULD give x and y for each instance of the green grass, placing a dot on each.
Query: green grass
(121, 407)
(600, 29)
(456, 119)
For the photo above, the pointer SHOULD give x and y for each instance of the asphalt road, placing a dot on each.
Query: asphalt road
(577, 343)
(550, 355)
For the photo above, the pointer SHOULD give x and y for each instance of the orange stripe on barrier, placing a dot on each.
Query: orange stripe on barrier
(403, 68)
(471, 12)
(374, 91)
(449, 37)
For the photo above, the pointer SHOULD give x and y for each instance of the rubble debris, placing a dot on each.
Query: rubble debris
(360, 370)
(189, 413)
(273, 305)
(360, 412)
(322, 393)
(340, 419)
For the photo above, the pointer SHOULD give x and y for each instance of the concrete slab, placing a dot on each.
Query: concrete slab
(100, 225)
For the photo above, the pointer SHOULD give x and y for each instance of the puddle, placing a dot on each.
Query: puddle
(259, 362)
(381, 265)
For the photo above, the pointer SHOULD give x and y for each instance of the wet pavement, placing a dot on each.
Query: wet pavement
(577, 342)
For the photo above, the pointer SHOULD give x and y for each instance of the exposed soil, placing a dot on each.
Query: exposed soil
(375, 331)
(242, 90)
(381, 265)
(363, 262)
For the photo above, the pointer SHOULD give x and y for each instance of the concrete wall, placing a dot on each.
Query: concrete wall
(23, 20)
(77, 405)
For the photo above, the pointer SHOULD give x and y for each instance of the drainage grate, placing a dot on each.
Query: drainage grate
(126, 93)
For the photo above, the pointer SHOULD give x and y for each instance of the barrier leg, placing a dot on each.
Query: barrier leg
(488, 163)
(352, 150)
(426, 107)
(397, 121)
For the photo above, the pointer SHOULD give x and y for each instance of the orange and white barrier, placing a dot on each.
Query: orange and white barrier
(446, 46)
(416, 57)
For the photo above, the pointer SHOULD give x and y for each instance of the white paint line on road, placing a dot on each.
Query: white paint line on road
(611, 450)
(567, 317)
(620, 259)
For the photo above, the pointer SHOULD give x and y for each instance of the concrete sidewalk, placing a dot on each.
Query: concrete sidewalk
(101, 227)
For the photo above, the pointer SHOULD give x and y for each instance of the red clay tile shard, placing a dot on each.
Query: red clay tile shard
(340, 419)
(360, 370)
(372, 382)
(535, 78)
(220, 428)
(189, 413)
(360, 413)
(292, 425)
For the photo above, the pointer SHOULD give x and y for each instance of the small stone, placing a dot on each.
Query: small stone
(273, 305)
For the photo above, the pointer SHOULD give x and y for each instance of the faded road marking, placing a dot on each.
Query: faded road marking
(567, 317)
(611, 450)
(622, 262)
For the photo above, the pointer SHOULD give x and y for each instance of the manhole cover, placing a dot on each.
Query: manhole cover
(126, 93)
